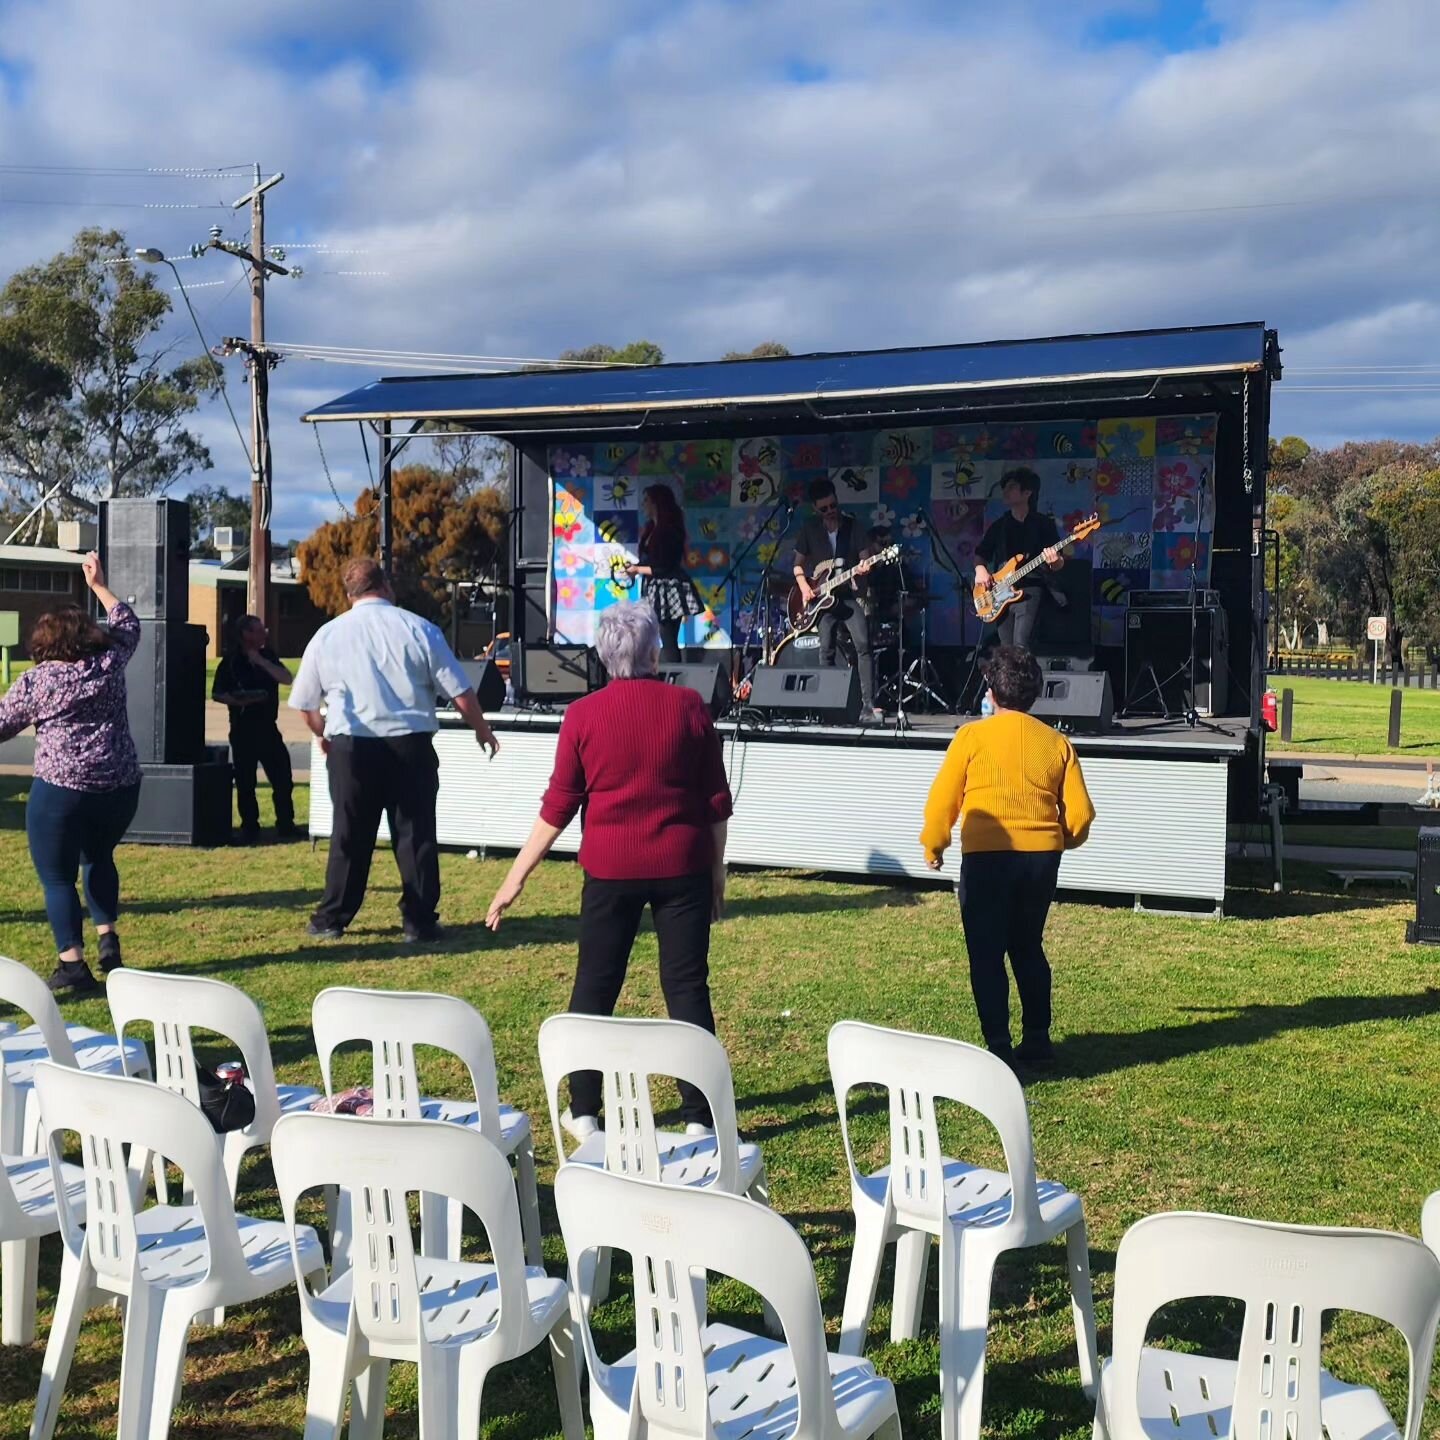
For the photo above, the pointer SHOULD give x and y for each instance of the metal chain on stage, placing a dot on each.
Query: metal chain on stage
(324, 462)
(1246, 472)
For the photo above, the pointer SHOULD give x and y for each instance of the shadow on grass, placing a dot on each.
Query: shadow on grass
(1310, 890)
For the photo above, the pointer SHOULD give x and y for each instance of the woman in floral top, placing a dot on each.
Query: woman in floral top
(87, 776)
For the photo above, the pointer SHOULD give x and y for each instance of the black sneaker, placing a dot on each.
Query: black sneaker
(1036, 1051)
(249, 835)
(423, 934)
(73, 976)
(110, 952)
(317, 931)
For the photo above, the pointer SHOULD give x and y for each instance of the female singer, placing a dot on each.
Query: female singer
(665, 582)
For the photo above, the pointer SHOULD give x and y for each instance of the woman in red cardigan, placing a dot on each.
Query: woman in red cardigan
(642, 761)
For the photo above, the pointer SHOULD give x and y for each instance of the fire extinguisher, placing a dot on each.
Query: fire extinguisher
(1270, 712)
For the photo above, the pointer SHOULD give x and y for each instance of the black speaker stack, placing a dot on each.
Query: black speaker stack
(185, 795)
(1157, 654)
(1424, 929)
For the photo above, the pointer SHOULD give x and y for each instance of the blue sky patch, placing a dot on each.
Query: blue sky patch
(1170, 25)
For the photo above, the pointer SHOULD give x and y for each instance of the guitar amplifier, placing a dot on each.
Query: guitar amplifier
(1172, 599)
(1158, 640)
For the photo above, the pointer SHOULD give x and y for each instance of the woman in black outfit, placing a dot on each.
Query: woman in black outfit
(665, 582)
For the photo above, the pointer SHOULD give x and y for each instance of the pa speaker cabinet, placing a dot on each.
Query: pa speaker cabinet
(831, 693)
(557, 672)
(165, 693)
(486, 681)
(1161, 638)
(1080, 701)
(1425, 928)
(145, 547)
(183, 805)
(708, 681)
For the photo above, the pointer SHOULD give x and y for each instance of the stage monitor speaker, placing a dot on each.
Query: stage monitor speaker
(165, 693)
(557, 672)
(184, 804)
(486, 681)
(802, 653)
(145, 547)
(1160, 638)
(830, 693)
(1425, 928)
(1079, 701)
(708, 681)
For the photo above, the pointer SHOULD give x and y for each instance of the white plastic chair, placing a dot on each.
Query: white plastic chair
(1287, 1276)
(455, 1320)
(27, 1214)
(393, 1023)
(629, 1053)
(977, 1214)
(168, 1261)
(1430, 1222)
(48, 1038)
(687, 1378)
(176, 1004)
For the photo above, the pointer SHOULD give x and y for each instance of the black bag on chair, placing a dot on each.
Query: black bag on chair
(225, 1105)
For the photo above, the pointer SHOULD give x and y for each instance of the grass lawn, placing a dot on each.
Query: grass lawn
(1347, 717)
(1280, 1063)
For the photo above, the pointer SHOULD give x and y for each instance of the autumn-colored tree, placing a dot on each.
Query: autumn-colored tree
(443, 531)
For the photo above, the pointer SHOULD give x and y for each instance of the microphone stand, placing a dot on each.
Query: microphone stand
(940, 551)
(762, 593)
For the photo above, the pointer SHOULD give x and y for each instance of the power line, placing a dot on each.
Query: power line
(113, 204)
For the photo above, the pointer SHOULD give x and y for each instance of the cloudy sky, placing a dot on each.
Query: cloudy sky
(511, 177)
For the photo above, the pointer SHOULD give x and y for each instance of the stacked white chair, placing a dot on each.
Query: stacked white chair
(1288, 1276)
(49, 1038)
(27, 1215)
(393, 1023)
(177, 1004)
(686, 1377)
(168, 1262)
(977, 1214)
(1430, 1222)
(455, 1320)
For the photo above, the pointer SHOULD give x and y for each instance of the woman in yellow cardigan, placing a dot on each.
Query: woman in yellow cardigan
(1016, 787)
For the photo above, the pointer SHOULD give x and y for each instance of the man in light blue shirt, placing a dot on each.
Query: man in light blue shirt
(380, 672)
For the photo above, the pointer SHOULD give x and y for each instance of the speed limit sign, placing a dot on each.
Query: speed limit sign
(1375, 628)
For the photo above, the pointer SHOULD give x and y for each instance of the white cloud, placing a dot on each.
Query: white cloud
(536, 176)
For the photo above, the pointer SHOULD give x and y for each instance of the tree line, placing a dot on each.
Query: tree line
(1358, 535)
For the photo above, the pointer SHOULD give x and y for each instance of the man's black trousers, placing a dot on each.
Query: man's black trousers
(397, 776)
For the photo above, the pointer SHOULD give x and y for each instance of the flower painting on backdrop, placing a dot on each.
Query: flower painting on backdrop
(1151, 480)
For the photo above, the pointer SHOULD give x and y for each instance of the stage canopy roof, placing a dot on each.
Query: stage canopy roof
(659, 394)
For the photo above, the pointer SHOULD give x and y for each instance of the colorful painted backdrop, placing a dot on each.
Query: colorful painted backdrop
(1143, 476)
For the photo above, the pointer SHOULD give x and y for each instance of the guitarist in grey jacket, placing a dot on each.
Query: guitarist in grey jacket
(833, 536)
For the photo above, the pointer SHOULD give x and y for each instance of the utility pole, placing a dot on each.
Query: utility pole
(257, 596)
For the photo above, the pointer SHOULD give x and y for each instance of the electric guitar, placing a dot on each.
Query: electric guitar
(824, 583)
(1003, 590)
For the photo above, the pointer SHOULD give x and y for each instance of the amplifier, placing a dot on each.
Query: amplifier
(1425, 928)
(708, 681)
(1157, 654)
(557, 672)
(1172, 599)
(1078, 701)
(830, 693)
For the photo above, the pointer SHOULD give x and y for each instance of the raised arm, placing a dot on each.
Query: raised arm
(124, 627)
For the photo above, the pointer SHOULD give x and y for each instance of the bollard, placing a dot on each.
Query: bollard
(1395, 698)
(1287, 715)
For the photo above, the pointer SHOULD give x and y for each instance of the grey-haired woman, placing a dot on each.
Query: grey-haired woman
(642, 760)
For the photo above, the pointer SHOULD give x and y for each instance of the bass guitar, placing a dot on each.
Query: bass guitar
(1004, 588)
(805, 615)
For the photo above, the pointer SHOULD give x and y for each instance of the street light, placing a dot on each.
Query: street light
(151, 256)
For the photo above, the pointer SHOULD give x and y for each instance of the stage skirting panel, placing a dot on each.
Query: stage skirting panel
(803, 801)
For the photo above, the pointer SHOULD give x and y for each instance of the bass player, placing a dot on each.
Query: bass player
(1026, 533)
(833, 535)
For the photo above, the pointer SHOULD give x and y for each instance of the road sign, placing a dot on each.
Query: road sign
(9, 638)
(1375, 628)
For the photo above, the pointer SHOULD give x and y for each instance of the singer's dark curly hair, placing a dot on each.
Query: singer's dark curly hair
(1014, 676)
